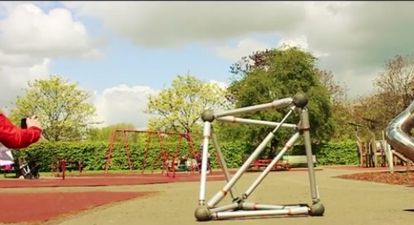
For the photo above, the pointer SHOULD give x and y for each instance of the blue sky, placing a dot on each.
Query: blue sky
(122, 52)
(125, 63)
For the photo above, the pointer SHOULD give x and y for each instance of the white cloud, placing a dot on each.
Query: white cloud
(299, 42)
(14, 79)
(219, 83)
(349, 37)
(166, 24)
(245, 47)
(123, 104)
(358, 81)
(29, 41)
(29, 30)
(352, 39)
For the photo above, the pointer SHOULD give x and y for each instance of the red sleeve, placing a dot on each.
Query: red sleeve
(14, 137)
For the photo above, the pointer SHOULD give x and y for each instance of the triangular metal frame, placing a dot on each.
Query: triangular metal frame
(239, 207)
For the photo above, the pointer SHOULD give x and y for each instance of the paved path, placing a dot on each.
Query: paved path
(347, 202)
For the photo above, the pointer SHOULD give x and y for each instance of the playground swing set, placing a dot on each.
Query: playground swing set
(170, 161)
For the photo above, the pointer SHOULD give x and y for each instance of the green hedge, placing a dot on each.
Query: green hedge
(332, 153)
(342, 153)
(47, 153)
(93, 154)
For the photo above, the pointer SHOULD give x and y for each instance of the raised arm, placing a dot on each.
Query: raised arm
(14, 137)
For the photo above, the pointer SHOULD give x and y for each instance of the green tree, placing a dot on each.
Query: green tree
(395, 86)
(341, 107)
(279, 73)
(178, 108)
(104, 133)
(394, 92)
(61, 107)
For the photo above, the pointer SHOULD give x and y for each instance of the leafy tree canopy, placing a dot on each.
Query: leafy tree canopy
(104, 133)
(61, 106)
(179, 107)
(279, 73)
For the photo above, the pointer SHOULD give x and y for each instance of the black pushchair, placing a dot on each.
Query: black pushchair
(29, 170)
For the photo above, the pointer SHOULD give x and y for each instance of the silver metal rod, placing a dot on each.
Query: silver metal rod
(233, 119)
(389, 155)
(288, 144)
(281, 103)
(225, 208)
(221, 160)
(234, 214)
(203, 177)
(305, 127)
(220, 195)
(256, 206)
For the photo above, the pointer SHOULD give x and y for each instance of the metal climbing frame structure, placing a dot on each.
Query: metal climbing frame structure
(167, 158)
(240, 207)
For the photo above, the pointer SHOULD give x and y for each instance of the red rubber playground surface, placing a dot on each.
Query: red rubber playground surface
(106, 180)
(40, 207)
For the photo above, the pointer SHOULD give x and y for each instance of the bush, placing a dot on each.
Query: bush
(93, 154)
(48, 153)
(341, 153)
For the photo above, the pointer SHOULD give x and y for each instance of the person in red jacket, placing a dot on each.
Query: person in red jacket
(15, 137)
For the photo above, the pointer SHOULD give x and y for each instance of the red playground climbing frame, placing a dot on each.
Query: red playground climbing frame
(169, 160)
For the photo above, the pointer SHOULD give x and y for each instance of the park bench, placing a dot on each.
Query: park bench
(298, 160)
(260, 164)
(286, 163)
(61, 166)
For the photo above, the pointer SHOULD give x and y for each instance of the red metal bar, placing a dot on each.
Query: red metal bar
(163, 154)
(127, 150)
(146, 152)
(110, 150)
(63, 168)
(176, 154)
(193, 152)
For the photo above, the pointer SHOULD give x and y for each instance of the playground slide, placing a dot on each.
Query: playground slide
(398, 132)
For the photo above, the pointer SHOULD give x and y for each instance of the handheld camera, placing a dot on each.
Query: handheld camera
(23, 123)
